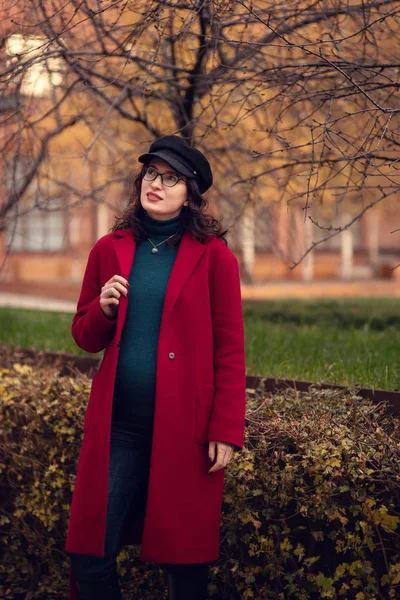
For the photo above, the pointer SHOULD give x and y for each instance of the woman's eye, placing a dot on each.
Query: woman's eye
(171, 178)
(150, 171)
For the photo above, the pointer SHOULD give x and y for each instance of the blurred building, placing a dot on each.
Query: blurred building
(271, 239)
(46, 238)
(49, 249)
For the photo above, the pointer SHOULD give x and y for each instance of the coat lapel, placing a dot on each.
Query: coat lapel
(124, 246)
(187, 257)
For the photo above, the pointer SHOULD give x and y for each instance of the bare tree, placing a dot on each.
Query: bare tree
(296, 102)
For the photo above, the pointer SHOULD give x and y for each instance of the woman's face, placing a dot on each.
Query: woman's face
(158, 200)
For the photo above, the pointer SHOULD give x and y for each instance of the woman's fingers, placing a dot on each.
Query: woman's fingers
(119, 279)
(111, 293)
(223, 456)
(114, 288)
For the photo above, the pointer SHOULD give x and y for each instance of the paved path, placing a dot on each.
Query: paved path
(36, 302)
(65, 299)
(374, 288)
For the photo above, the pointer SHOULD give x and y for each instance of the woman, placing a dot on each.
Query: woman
(161, 295)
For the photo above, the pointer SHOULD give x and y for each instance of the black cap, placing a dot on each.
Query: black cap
(184, 159)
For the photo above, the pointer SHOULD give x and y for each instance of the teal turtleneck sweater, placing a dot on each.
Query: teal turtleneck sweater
(134, 391)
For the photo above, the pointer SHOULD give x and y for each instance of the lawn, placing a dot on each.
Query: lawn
(40, 329)
(335, 341)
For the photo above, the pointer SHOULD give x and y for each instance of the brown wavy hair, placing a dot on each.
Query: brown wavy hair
(195, 220)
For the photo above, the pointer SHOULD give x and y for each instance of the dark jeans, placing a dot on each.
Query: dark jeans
(130, 449)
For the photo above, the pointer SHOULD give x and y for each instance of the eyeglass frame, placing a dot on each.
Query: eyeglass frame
(144, 170)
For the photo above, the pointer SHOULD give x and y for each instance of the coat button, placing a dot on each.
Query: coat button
(171, 355)
(119, 343)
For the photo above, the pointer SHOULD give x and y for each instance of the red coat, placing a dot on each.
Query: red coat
(200, 396)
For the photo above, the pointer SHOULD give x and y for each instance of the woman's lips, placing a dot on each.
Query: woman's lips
(153, 197)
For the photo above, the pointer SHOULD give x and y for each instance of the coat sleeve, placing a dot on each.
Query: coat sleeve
(91, 329)
(228, 416)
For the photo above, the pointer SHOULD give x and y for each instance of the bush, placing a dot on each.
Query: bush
(310, 507)
(41, 418)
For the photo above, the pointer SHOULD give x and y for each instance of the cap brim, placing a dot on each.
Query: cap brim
(173, 162)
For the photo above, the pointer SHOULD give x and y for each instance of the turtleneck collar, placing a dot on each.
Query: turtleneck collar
(160, 227)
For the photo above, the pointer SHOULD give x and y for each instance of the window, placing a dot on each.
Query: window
(37, 74)
(37, 221)
(38, 229)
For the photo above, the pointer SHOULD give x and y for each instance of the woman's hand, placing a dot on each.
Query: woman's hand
(222, 452)
(111, 293)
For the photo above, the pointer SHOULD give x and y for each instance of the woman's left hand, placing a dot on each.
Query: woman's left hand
(221, 452)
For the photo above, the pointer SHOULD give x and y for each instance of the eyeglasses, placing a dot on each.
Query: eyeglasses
(168, 179)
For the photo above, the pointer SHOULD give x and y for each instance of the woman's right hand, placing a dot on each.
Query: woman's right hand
(111, 293)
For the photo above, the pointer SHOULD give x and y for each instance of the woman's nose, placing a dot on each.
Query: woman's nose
(156, 183)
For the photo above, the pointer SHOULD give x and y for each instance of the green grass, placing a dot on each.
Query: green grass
(38, 329)
(346, 341)
(308, 352)
(336, 341)
(349, 341)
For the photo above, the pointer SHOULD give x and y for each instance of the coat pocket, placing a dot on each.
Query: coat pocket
(204, 406)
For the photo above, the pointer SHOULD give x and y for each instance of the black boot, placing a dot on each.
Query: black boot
(100, 590)
(191, 589)
(187, 586)
(171, 587)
